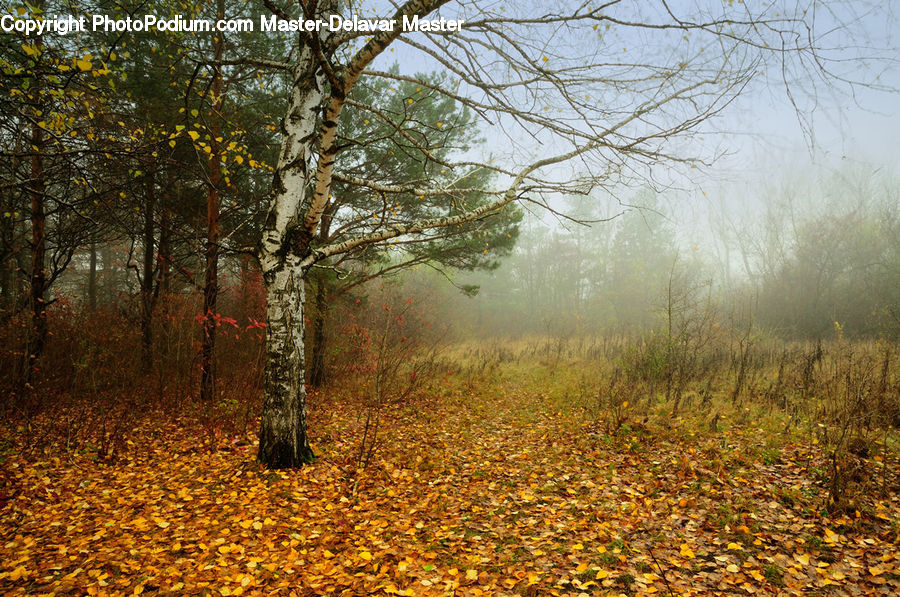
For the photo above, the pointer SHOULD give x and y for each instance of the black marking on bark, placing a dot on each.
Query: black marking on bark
(338, 93)
(270, 220)
(299, 163)
(278, 188)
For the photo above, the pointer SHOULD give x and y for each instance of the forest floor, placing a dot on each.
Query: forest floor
(495, 491)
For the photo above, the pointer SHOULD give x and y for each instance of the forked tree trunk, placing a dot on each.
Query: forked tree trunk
(282, 438)
(283, 442)
(302, 188)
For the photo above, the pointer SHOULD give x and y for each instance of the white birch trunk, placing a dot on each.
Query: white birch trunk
(283, 441)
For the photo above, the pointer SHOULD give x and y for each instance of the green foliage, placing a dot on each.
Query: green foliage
(393, 134)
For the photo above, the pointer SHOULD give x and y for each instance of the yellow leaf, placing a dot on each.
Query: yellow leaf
(577, 547)
(17, 573)
(84, 65)
(239, 159)
(581, 568)
(257, 525)
(367, 556)
(803, 558)
(194, 135)
(876, 570)
(686, 551)
(837, 575)
(733, 568)
(471, 574)
(246, 524)
(734, 546)
(601, 574)
(532, 578)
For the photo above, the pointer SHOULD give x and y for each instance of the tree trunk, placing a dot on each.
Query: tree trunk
(147, 278)
(283, 442)
(164, 255)
(92, 279)
(210, 294)
(317, 375)
(282, 438)
(108, 278)
(7, 270)
(8, 250)
(214, 175)
(38, 333)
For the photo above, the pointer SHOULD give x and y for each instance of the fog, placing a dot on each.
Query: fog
(805, 252)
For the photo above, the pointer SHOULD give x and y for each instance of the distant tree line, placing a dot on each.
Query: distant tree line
(806, 262)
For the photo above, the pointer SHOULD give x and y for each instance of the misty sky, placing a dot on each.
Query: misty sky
(759, 135)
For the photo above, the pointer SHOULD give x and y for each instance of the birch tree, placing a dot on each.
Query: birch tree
(616, 91)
